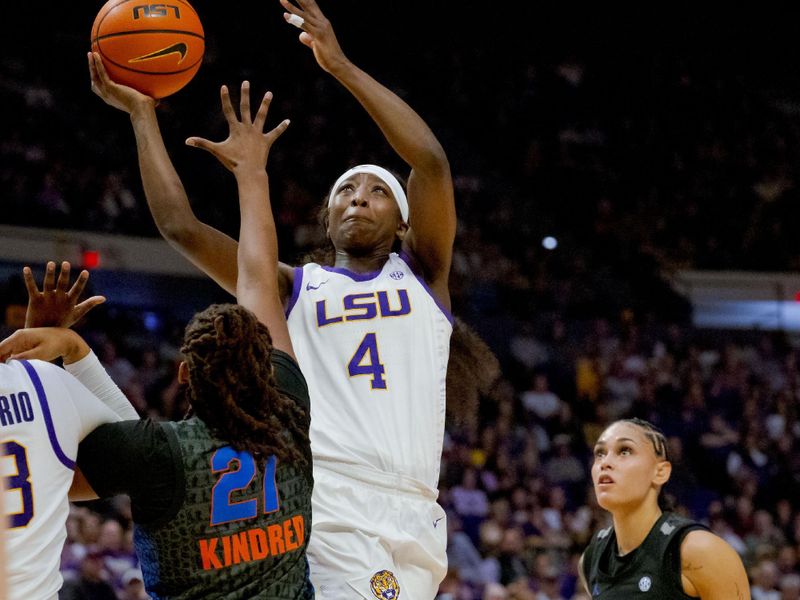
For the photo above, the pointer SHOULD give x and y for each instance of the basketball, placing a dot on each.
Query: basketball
(154, 48)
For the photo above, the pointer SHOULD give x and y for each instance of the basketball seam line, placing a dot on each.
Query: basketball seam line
(110, 35)
(118, 4)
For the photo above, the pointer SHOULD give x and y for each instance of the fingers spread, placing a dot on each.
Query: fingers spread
(63, 277)
(84, 307)
(291, 8)
(295, 20)
(261, 115)
(49, 277)
(202, 143)
(30, 282)
(227, 107)
(244, 102)
(80, 283)
(278, 131)
(306, 39)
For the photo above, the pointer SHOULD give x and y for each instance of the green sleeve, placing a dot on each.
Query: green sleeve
(135, 458)
(289, 379)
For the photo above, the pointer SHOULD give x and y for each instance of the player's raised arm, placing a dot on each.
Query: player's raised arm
(207, 248)
(245, 154)
(430, 187)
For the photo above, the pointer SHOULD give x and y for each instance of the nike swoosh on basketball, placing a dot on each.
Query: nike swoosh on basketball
(310, 287)
(177, 48)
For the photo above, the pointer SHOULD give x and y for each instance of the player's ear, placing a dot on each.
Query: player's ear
(402, 230)
(183, 372)
(663, 472)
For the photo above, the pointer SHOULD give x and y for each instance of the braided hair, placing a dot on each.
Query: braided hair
(656, 437)
(231, 385)
(653, 434)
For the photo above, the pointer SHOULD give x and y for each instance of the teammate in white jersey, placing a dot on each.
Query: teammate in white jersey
(371, 334)
(44, 413)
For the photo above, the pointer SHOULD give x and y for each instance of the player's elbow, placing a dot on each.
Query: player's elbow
(177, 232)
(432, 160)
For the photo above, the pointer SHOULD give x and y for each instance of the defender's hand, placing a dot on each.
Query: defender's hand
(55, 305)
(247, 147)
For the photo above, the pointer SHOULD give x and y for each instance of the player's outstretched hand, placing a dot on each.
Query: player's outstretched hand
(56, 305)
(44, 343)
(119, 96)
(317, 33)
(247, 147)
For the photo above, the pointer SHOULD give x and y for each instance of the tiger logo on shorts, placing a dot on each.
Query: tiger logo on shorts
(384, 585)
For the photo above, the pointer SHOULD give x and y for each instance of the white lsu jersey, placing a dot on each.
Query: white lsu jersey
(373, 348)
(44, 413)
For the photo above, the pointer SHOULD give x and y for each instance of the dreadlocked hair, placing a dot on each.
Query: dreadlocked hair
(231, 385)
(472, 370)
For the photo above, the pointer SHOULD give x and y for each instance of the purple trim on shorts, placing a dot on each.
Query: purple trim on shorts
(353, 275)
(48, 418)
(414, 266)
(298, 281)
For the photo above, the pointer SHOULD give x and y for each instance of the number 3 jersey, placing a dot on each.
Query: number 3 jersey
(44, 413)
(373, 348)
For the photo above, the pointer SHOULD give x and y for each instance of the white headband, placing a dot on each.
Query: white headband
(383, 175)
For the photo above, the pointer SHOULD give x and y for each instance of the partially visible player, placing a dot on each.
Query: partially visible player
(44, 413)
(3, 573)
(646, 552)
(221, 501)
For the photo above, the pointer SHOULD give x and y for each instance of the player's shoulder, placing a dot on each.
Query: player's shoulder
(36, 370)
(699, 543)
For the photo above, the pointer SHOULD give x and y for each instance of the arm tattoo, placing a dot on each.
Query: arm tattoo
(688, 566)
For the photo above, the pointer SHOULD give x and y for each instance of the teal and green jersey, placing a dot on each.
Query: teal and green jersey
(210, 521)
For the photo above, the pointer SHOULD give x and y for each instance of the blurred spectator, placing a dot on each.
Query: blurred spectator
(91, 584)
(765, 581)
(133, 586)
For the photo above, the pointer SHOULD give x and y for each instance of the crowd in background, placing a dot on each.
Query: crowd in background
(634, 163)
(515, 482)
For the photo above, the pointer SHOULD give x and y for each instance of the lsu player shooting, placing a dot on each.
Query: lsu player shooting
(371, 332)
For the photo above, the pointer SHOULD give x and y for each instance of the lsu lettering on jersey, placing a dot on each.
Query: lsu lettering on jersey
(373, 348)
(44, 413)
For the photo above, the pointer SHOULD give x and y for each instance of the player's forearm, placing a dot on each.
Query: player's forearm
(258, 239)
(166, 196)
(403, 128)
(94, 377)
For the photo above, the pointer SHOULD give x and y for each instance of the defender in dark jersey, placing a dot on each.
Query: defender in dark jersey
(647, 553)
(222, 500)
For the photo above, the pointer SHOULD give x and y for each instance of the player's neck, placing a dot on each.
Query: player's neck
(368, 263)
(632, 527)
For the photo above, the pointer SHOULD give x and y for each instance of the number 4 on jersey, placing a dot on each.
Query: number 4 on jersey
(367, 361)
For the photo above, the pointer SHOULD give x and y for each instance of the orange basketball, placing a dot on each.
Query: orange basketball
(154, 48)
